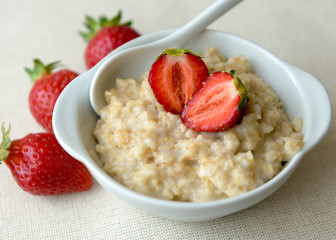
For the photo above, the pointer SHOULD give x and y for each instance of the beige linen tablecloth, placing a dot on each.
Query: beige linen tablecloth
(300, 32)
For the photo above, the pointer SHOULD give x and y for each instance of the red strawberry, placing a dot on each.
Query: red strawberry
(218, 105)
(104, 36)
(47, 87)
(175, 76)
(40, 166)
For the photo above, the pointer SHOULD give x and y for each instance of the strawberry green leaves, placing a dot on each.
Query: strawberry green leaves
(93, 25)
(5, 144)
(40, 69)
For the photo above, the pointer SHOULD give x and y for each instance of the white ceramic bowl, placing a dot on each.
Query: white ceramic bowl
(301, 95)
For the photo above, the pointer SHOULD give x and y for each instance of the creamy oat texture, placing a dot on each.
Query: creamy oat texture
(150, 151)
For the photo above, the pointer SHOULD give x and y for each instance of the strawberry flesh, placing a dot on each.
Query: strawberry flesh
(218, 105)
(175, 76)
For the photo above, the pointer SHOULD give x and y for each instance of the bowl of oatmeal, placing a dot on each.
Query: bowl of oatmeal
(148, 158)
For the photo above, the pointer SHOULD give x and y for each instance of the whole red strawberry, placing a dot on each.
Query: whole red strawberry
(40, 166)
(104, 36)
(47, 87)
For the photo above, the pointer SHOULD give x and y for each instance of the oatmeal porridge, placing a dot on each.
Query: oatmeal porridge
(152, 152)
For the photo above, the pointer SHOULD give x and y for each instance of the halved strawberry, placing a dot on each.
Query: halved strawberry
(175, 76)
(218, 105)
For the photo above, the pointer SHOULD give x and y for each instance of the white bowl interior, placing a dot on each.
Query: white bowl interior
(283, 78)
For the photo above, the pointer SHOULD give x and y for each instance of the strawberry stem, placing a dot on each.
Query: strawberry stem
(93, 26)
(5, 144)
(40, 69)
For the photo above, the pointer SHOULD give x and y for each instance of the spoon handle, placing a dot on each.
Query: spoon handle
(200, 22)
